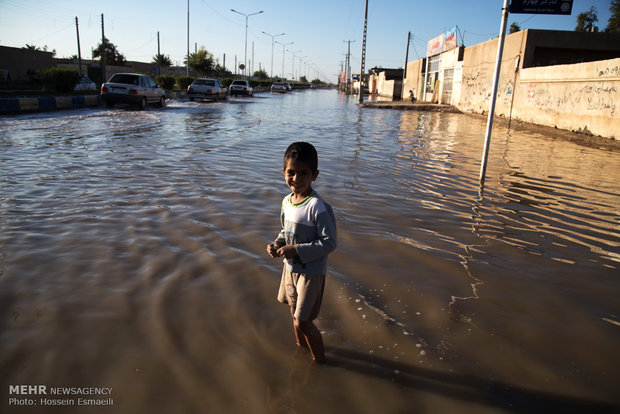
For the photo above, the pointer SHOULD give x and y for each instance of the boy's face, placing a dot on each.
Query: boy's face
(299, 178)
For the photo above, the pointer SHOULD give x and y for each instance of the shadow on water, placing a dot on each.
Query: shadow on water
(464, 387)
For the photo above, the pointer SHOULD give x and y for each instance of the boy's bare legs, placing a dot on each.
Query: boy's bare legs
(313, 338)
(299, 335)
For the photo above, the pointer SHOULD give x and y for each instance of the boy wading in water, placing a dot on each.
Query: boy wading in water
(308, 235)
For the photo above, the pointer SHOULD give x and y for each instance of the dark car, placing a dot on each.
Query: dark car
(133, 89)
(204, 88)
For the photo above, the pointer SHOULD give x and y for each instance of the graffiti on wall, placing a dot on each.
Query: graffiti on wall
(608, 71)
(588, 98)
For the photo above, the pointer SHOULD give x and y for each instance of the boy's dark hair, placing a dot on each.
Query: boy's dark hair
(304, 152)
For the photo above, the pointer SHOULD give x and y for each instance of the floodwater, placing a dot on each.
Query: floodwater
(132, 257)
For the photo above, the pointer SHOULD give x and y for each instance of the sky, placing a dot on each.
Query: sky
(319, 29)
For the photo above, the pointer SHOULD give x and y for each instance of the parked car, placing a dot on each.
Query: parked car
(204, 88)
(85, 84)
(279, 87)
(132, 88)
(241, 87)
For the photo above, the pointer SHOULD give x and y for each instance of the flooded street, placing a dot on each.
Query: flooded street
(132, 256)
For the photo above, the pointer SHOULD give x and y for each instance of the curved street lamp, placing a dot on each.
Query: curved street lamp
(272, 42)
(284, 45)
(293, 52)
(245, 57)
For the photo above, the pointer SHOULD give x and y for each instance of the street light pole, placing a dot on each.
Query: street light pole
(284, 45)
(245, 57)
(272, 42)
(293, 64)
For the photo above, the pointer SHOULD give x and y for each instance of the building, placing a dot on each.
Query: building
(568, 80)
(386, 82)
(20, 65)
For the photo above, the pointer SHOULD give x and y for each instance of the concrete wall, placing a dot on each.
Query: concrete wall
(414, 79)
(578, 97)
(477, 75)
(22, 63)
(532, 86)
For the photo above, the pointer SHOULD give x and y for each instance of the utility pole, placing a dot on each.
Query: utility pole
(77, 31)
(361, 91)
(102, 51)
(405, 69)
(158, 54)
(348, 66)
(224, 65)
(187, 65)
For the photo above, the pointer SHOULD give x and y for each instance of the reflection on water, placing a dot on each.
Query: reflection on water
(132, 256)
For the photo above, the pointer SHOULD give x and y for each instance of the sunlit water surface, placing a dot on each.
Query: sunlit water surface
(132, 256)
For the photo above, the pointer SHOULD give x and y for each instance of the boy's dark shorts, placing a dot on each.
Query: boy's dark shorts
(304, 293)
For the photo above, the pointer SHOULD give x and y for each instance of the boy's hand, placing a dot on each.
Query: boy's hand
(272, 249)
(289, 251)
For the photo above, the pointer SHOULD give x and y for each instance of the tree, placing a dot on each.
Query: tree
(514, 27)
(613, 24)
(303, 79)
(201, 61)
(261, 74)
(221, 72)
(38, 49)
(586, 20)
(112, 56)
(162, 60)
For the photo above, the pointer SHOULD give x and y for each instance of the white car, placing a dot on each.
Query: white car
(279, 87)
(85, 84)
(132, 88)
(241, 87)
(204, 88)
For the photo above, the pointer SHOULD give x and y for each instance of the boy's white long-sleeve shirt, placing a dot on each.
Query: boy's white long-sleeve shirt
(311, 227)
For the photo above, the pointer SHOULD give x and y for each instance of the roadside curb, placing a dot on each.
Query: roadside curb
(417, 106)
(47, 103)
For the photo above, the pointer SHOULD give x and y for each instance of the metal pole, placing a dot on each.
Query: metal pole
(158, 55)
(361, 91)
(187, 65)
(272, 43)
(77, 30)
(283, 50)
(427, 66)
(498, 64)
(245, 56)
(405, 70)
(103, 50)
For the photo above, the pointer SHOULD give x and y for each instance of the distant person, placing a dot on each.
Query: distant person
(411, 96)
(308, 235)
